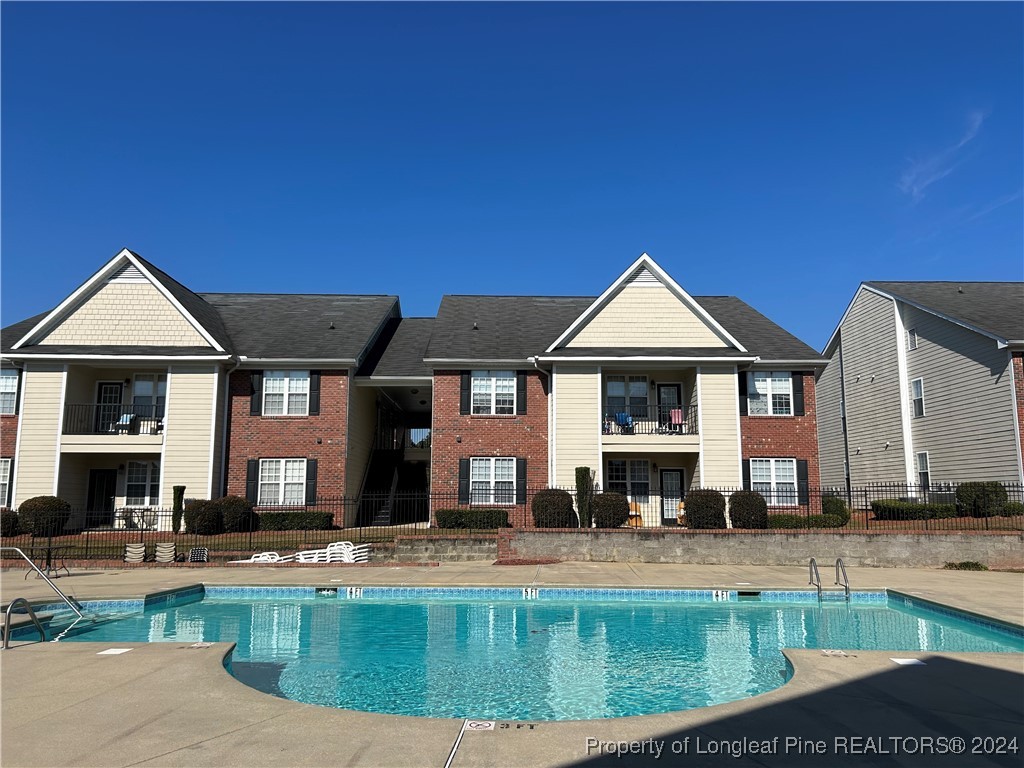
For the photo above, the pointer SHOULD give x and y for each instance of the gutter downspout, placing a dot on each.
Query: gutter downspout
(224, 427)
(551, 422)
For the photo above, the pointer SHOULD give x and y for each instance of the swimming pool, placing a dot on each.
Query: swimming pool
(532, 654)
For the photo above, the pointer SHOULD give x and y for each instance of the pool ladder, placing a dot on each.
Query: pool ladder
(842, 580)
(31, 615)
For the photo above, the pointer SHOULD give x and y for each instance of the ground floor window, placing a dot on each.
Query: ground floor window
(492, 480)
(775, 479)
(923, 473)
(143, 484)
(631, 477)
(282, 481)
(5, 481)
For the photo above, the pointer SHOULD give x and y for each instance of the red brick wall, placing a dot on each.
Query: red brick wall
(455, 437)
(1018, 386)
(322, 437)
(785, 437)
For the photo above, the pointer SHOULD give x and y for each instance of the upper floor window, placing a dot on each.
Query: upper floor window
(282, 481)
(494, 393)
(770, 393)
(149, 394)
(8, 390)
(775, 479)
(286, 393)
(911, 338)
(492, 480)
(626, 394)
(142, 488)
(917, 396)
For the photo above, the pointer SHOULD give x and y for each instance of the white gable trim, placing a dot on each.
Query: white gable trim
(623, 280)
(109, 269)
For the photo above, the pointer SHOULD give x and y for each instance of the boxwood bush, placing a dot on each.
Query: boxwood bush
(747, 509)
(980, 499)
(1013, 509)
(297, 520)
(833, 505)
(790, 521)
(236, 513)
(552, 508)
(483, 519)
(705, 508)
(890, 509)
(203, 518)
(609, 509)
(9, 523)
(44, 515)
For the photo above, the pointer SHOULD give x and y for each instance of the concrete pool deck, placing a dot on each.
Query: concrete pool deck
(166, 704)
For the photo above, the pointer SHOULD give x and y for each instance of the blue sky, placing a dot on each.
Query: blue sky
(778, 152)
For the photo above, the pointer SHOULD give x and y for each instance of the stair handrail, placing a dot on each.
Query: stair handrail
(53, 586)
(845, 582)
(31, 615)
(815, 576)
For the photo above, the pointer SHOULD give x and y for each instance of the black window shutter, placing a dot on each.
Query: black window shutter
(802, 491)
(746, 474)
(256, 402)
(520, 481)
(311, 481)
(10, 484)
(314, 393)
(17, 405)
(798, 393)
(743, 393)
(464, 392)
(463, 481)
(520, 391)
(252, 473)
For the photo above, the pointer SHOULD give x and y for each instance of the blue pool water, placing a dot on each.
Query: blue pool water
(552, 659)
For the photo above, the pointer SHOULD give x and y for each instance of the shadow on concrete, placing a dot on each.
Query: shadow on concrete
(898, 709)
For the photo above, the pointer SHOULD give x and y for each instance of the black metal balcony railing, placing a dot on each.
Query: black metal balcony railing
(113, 419)
(649, 420)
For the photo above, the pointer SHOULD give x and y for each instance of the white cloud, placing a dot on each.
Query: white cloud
(921, 174)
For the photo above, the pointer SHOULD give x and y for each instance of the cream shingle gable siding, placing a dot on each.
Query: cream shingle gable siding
(125, 313)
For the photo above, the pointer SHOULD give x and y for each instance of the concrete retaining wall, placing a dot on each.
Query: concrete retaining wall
(447, 549)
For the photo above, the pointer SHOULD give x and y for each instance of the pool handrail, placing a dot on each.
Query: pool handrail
(845, 581)
(815, 576)
(55, 588)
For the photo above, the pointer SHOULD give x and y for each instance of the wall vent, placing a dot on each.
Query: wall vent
(128, 273)
(644, 277)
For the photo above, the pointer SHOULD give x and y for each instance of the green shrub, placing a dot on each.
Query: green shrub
(236, 513)
(833, 505)
(483, 519)
(966, 565)
(203, 518)
(178, 507)
(1013, 509)
(889, 509)
(584, 495)
(981, 499)
(298, 520)
(747, 509)
(552, 508)
(9, 523)
(44, 515)
(827, 521)
(611, 510)
(705, 508)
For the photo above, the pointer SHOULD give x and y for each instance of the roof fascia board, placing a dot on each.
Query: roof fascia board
(125, 358)
(438, 362)
(948, 318)
(394, 311)
(763, 362)
(646, 359)
(667, 281)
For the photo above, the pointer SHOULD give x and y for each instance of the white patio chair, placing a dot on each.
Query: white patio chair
(266, 557)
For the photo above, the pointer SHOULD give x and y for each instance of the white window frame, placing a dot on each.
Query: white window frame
(911, 339)
(489, 496)
(159, 396)
(290, 389)
(636, 410)
(5, 481)
(636, 494)
(279, 499)
(926, 472)
(777, 383)
(914, 398)
(9, 386)
(152, 483)
(485, 383)
(773, 494)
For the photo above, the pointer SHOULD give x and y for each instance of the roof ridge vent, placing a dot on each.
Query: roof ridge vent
(127, 273)
(643, 276)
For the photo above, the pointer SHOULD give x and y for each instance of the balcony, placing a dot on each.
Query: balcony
(671, 427)
(112, 427)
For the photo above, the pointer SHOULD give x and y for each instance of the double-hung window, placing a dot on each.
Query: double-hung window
(626, 394)
(911, 339)
(149, 395)
(917, 397)
(282, 482)
(631, 477)
(142, 486)
(923, 475)
(8, 390)
(494, 393)
(5, 481)
(770, 393)
(492, 480)
(775, 479)
(286, 393)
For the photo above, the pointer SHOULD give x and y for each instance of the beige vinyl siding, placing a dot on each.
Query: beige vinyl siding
(719, 408)
(187, 433)
(126, 313)
(828, 397)
(968, 427)
(362, 425)
(36, 462)
(577, 421)
(872, 384)
(645, 317)
(74, 476)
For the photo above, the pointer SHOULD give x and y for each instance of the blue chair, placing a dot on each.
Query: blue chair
(624, 422)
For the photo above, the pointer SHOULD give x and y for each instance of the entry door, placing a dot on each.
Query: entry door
(671, 494)
(109, 396)
(670, 406)
(102, 487)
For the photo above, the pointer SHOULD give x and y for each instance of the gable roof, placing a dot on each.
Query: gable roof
(759, 335)
(400, 349)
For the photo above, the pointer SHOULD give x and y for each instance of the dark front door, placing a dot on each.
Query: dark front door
(109, 395)
(670, 406)
(102, 487)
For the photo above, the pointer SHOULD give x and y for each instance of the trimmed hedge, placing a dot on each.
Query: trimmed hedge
(833, 505)
(705, 508)
(889, 509)
(472, 519)
(784, 521)
(299, 520)
(203, 518)
(1013, 509)
(552, 508)
(610, 509)
(985, 499)
(747, 509)
(236, 513)
(9, 523)
(44, 515)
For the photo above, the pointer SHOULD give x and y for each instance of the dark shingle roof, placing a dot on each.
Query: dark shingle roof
(12, 334)
(400, 349)
(263, 325)
(994, 307)
(756, 332)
